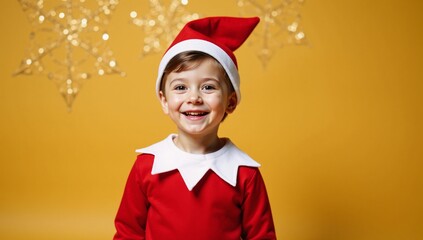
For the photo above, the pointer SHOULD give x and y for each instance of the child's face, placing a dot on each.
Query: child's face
(197, 99)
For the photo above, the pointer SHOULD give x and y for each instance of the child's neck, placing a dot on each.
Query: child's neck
(198, 144)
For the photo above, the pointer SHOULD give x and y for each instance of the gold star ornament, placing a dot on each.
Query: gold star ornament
(68, 42)
(162, 23)
(280, 25)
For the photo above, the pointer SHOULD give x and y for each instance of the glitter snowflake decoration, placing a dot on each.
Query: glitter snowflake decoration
(280, 25)
(67, 41)
(162, 24)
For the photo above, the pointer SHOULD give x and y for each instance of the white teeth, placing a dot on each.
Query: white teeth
(194, 113)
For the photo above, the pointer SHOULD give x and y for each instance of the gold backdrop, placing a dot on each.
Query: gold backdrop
(337, 126)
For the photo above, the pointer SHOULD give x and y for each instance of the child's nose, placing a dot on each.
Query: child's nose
(195, 97)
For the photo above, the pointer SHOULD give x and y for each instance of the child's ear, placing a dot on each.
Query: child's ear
(163, 101)
(232, 102)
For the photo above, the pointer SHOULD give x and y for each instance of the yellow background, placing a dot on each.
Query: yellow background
(337, 126)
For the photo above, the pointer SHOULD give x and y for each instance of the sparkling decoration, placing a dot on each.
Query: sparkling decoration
(280, 25)
(68, 42)
(162, 24)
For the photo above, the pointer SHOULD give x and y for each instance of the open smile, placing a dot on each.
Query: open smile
(195, 114)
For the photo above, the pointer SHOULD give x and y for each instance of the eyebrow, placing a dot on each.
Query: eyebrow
(171, 81)
(204, 79)
(211, 79)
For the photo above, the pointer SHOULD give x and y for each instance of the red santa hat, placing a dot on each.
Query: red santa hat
(217, 36)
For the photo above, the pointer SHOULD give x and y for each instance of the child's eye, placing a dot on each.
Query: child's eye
(208, 87)
(179, 88)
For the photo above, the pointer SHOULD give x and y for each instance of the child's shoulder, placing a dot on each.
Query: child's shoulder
(144, 161)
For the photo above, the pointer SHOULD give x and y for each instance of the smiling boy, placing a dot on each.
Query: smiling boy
(194, 184)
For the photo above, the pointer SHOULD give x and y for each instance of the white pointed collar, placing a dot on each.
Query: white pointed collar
(192, 167)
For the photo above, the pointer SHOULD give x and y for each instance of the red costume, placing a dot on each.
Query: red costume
(159, 206)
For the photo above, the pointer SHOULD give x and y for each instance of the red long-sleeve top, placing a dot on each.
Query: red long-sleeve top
(160, 207)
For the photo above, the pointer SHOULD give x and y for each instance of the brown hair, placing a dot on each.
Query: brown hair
(189, 60)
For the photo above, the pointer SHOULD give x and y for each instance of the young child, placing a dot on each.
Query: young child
(194, 184)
